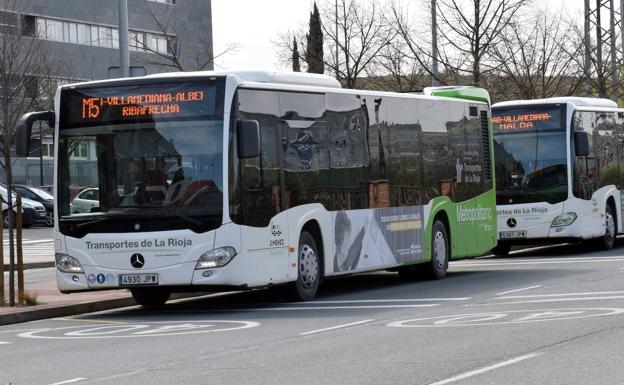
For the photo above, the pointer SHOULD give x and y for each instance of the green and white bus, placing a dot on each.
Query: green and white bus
(240, 180)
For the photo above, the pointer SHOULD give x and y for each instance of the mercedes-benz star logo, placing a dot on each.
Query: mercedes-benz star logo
(511, 222)
(137, 261)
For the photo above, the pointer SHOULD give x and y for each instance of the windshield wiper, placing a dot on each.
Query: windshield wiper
(188, 218)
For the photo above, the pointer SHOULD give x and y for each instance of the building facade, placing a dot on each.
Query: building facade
(82, 38)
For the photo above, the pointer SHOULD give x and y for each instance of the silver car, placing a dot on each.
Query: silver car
(85, 201)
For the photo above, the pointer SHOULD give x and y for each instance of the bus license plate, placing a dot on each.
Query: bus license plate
(512, 234)
(138, 279)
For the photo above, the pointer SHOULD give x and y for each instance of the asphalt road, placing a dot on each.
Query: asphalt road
(547, 316)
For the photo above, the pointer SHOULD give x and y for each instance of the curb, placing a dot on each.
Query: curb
(32, 265)
(55, 311)
(64, 310)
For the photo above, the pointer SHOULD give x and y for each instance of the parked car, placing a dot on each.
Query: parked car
(49, 188)
(85, 201)
(32, 211)
(39, 195)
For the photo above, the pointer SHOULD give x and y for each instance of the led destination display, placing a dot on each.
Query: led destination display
(133, 104)
(519, 119)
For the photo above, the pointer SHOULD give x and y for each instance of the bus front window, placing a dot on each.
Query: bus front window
(157, 172)
(530, 156)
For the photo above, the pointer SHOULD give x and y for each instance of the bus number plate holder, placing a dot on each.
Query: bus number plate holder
(512, 234)
(138, 279)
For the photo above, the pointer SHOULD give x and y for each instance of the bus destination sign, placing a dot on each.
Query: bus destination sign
(527, 118)
(134, 104)
(522, 121)
(160, 103)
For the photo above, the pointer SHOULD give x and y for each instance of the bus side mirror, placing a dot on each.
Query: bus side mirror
(581, 143)
(248, 139)
(24, 129)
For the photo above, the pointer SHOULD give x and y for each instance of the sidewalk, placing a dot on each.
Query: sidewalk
(38, 253)
(53, 303)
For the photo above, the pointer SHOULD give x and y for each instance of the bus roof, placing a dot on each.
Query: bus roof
(574, 100)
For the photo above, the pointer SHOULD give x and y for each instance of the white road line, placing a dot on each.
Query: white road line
(70, 381)
(472, 373)
(337, 307)
(391, 300)
(537, 262)
(555, 300)
(4, 343)
(336, 327)
(562, 295)
(517, 290)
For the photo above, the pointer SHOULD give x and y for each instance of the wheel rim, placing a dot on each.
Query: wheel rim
(439, 250)
(610, 227)
(308, 266)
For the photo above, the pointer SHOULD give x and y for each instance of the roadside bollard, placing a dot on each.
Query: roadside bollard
(20, 257)
(1, 258)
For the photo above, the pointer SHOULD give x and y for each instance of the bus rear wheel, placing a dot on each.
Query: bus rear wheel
(440, 251)
(147, 297)
(309, 268)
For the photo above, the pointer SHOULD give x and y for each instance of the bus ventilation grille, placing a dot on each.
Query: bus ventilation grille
(485, 145)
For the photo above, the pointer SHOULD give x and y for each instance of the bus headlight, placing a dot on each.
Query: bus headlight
(216, 258)
(68, 264)
(565, 219)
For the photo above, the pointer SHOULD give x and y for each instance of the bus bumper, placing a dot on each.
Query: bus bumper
(247, 269)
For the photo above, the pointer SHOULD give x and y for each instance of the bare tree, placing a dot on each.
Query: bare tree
(394, 70)
(25, 63)
(359, 31)
(178, 53)
(539, 58)
(467, 30)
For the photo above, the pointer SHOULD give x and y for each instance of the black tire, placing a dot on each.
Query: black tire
(308, 269)
(8, 219)
(501, 249)
(153, 297)
(607, 241)
(440, 250)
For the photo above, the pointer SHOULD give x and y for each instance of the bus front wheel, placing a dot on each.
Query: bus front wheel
(607, 241)
(440, 250)
(309, 268)
(147, 297)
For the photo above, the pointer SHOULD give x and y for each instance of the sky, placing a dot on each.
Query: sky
(254, 24)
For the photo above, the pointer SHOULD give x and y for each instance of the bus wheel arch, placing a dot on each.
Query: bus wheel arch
(314, 229)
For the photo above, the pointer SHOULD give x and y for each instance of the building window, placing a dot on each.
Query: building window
(47, 149)
(97, 35)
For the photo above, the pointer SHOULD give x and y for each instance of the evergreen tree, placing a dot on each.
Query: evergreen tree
(295, 57)
(314, 51)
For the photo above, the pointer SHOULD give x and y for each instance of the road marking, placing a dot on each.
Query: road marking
(562, 294)
(157, 328)
(89, 320)
(69, 381)
(4, 343)
(517, 290)
(472, 373)
(552, 300)
(338, 307)
(391, 300)
(537, 262)
(337, 327)
(506, 317)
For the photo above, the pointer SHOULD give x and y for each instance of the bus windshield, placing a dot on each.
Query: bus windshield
(157, 171)
(530, 154)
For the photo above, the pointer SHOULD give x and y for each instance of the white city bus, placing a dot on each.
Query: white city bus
(559, 171)
(251, 179)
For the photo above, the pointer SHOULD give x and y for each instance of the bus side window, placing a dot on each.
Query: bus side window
(259, 177)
